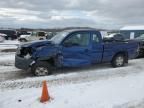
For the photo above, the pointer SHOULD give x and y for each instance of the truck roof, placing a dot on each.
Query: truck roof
(73, 30)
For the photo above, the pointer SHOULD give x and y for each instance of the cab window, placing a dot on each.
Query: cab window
(78, 39)
(95, 38)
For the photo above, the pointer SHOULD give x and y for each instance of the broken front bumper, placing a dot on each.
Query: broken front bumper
(23, 63)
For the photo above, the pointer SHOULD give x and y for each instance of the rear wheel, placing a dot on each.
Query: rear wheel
(119, 60)
(41, 69)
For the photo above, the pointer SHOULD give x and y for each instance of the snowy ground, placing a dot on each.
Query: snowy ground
(118, 92)
(8, 46)
(99, 86)
(9, 42)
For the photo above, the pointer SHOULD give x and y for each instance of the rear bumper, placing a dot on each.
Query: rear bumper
(22, 63)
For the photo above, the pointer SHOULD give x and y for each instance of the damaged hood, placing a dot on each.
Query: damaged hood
(37, 43)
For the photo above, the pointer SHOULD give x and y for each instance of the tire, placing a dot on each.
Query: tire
(119, 60)
(41, 68)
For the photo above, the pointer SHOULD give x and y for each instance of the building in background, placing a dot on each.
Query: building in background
(131, 32)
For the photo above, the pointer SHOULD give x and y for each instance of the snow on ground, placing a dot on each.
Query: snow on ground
(6, 58)
(7, 47)
(7, 68)
(108, 93)
(9, 44)
(7, 62)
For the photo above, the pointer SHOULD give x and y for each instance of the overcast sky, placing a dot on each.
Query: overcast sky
(110, 14)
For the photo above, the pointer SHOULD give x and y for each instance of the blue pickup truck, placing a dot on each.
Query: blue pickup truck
(73, 48)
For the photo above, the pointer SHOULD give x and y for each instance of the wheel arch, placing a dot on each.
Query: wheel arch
(53, 60)
(125, 53)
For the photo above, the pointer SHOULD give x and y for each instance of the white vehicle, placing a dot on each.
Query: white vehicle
(32, 36)
(2, 37)
(114, 37)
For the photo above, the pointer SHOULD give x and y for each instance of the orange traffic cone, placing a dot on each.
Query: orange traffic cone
(45, 95)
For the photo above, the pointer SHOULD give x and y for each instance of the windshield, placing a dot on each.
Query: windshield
(59, 37)
(140, 37)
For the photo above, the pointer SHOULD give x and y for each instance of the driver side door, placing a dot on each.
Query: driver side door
(75, 50)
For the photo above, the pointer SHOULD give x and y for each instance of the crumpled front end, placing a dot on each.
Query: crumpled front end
(23, 58)
(27, 54)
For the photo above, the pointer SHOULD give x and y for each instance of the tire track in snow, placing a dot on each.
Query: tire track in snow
(133, 104)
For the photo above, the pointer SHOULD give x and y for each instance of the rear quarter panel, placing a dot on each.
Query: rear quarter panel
(111, 49)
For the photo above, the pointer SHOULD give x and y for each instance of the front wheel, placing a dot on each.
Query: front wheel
(41, 69)
(118, 60)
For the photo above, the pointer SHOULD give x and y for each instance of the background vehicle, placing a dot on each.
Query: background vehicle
(11, 34)
(132, 32)
(114, 37)
(50, 35)
(73, 48)
(2, 37)
(140, 39)
(22, 32)
(31, 36)
(24, 37)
